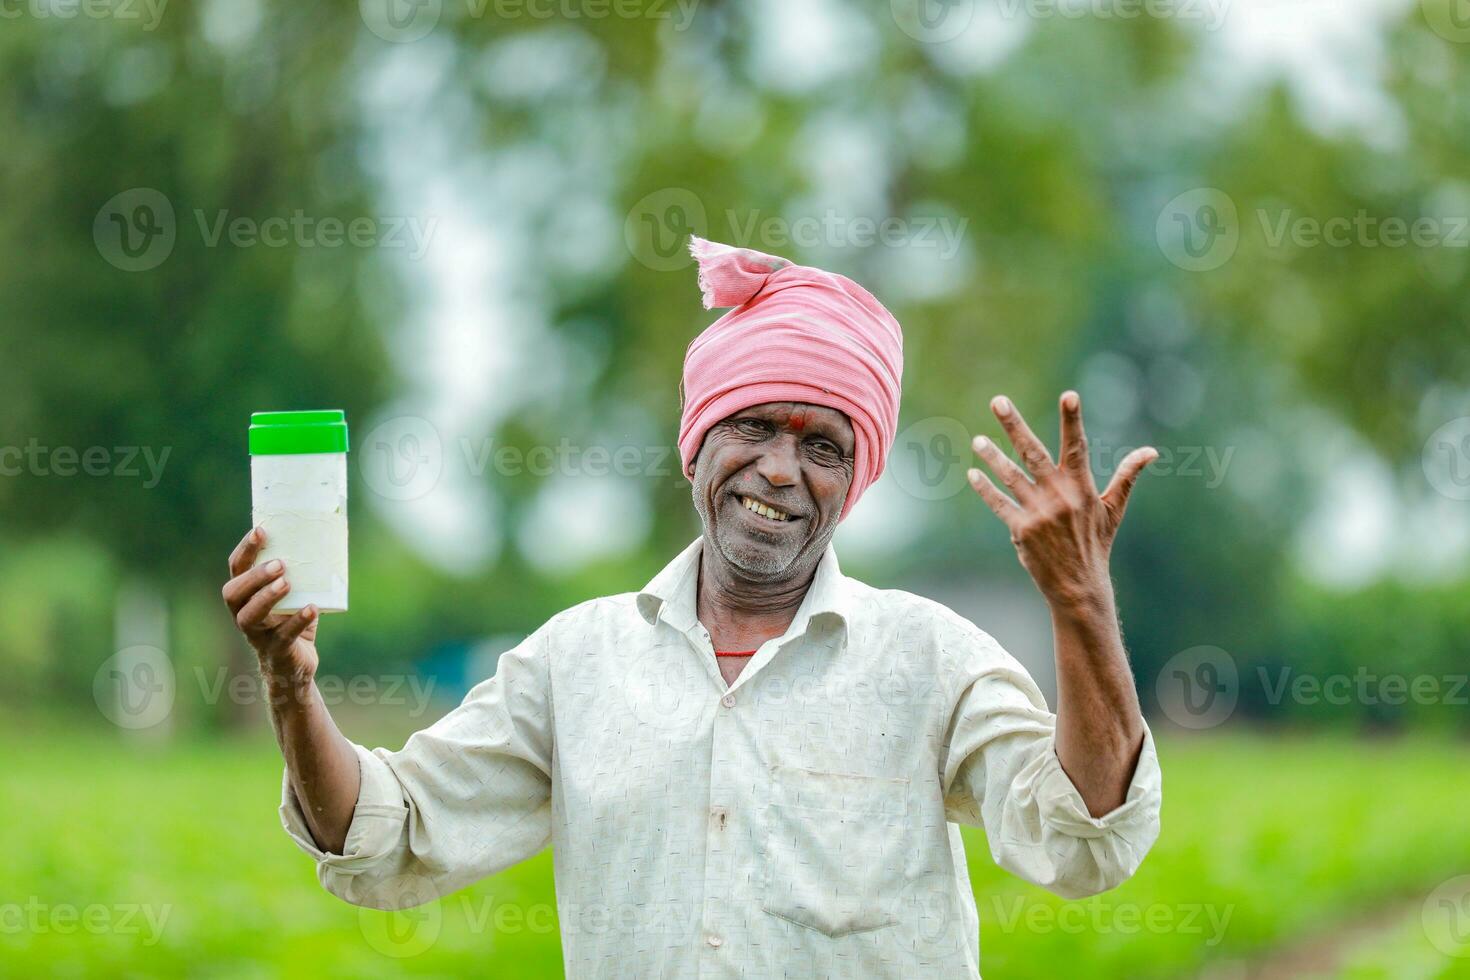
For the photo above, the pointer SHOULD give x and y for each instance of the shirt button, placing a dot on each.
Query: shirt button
(728, 700)
(714, 940)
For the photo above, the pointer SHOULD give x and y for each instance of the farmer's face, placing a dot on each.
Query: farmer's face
(790, 456)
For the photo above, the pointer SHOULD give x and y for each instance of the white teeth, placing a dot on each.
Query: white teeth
(763, 510)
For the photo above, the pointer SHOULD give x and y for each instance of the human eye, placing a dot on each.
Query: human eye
(825, 447)
(754, 427)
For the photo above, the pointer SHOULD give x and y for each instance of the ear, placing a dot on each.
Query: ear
(694, 461)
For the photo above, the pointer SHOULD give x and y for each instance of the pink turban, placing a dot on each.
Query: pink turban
(797, 334)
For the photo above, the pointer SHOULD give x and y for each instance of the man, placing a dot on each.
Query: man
(755, 765)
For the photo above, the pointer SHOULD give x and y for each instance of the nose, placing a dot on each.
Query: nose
(778, 462)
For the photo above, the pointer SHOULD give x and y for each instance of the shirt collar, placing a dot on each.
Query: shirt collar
(671, 593)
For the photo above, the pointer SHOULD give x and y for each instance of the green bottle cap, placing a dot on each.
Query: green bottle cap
(280, 433)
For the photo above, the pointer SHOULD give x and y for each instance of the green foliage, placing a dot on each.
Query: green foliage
(1059, 156)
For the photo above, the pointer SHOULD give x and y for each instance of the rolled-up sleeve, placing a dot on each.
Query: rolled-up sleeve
(1001, 772)
(464, 798)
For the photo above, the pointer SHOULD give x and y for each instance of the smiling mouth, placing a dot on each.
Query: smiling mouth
(764, 511)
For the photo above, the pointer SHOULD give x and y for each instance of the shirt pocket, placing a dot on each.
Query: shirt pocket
(834, 850)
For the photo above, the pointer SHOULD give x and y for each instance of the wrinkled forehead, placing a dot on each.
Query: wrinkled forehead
(801, 416)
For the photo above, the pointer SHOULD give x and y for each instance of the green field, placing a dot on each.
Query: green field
(130, 860)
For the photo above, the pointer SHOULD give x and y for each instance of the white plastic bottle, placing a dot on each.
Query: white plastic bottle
(298, 483)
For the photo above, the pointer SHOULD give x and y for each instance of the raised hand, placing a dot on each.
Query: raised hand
(1063, 529)
(285, 644)
(321, 762)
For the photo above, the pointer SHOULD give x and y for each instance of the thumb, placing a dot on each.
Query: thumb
(1115, 497)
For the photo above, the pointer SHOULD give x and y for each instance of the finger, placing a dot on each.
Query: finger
(1004, 507)
(252, 615)
(1000, 464)
(1032, 452)
(1121, 485)
(244, 554)
(1073, 455)
(296, 625)
(238, 590)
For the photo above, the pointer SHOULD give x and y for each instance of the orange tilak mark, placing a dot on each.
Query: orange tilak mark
(798, 420)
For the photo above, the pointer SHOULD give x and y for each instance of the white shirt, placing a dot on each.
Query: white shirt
(800, 822)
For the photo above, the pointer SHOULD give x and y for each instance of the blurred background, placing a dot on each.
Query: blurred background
(1238, 227)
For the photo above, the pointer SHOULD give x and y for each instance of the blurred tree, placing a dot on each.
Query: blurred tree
(128, 323)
